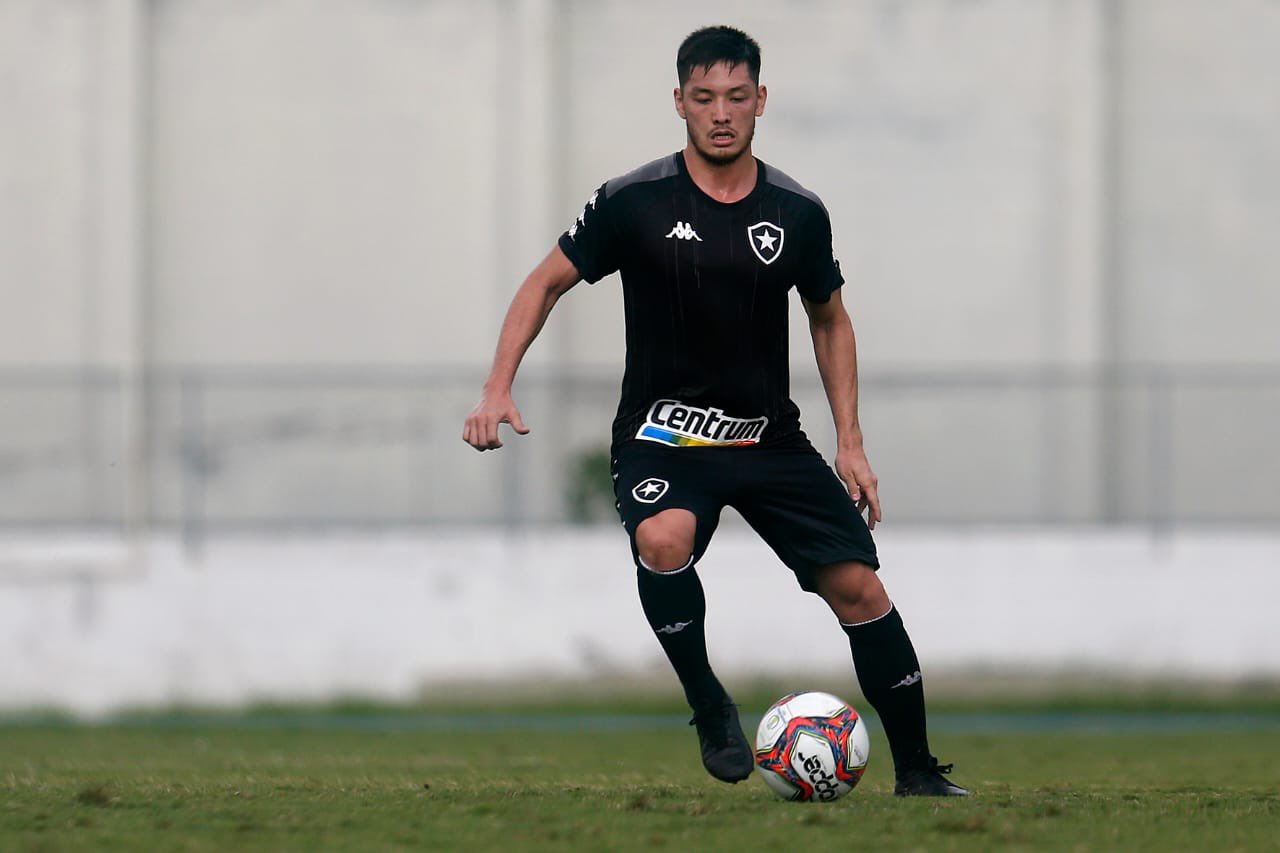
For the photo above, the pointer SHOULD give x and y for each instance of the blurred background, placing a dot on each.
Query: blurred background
(254, 257)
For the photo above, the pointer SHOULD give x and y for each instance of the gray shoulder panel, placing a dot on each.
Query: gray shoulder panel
(663, 167)
(782, 180)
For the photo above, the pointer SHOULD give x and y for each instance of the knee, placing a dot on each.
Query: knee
(853, 591)
(665, 541)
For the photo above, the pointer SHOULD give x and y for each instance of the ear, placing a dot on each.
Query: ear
(763, 93)
(678, 94)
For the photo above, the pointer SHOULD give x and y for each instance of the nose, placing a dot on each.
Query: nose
(720, 112)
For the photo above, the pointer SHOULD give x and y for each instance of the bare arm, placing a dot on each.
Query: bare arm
(836, 351)
(529, 309)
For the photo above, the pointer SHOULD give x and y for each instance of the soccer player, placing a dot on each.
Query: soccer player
(709, 242)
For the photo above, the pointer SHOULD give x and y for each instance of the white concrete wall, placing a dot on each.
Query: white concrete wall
(366, 182)
(1201, 185)
(325, 189)
(70, 183)
(390, 619)
(1015, 184)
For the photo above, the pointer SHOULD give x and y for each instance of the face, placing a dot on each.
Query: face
(720, 107)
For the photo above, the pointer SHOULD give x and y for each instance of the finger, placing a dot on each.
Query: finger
(873, 498)
(492, 442)
(517, 424)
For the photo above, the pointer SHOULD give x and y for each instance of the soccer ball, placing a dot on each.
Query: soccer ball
(812, 746)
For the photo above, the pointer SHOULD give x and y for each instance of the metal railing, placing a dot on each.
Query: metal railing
(276, 449)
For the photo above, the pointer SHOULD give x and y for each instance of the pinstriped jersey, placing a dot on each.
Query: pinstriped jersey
(705, 288)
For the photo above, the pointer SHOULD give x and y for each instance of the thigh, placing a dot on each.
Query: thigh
(792, 498)
(649, 478)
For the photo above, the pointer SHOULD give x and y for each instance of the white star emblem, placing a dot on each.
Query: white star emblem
(650, 490)
(766, 240)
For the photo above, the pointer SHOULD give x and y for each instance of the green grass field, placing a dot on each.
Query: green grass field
(554, 780)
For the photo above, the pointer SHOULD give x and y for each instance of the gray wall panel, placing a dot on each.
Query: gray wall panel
(1018, 187)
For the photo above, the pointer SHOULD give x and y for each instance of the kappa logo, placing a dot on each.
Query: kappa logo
(684, 231)
(650, 491)
(582, 217)
(673, 629)
(824, 781)
(913, 678)
(766, 241)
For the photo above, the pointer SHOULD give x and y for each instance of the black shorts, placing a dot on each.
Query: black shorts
(783, 489)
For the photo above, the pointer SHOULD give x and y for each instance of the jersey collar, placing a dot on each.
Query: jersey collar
(683, 169)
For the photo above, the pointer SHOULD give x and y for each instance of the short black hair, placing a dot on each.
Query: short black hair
(710, 45)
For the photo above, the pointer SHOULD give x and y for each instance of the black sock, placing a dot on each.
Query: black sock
(675, 607)
(889, 675)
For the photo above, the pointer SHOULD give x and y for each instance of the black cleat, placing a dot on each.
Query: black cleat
(928, 781)
(725, 751)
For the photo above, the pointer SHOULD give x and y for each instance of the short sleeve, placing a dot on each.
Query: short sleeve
(820, 275)
(589, 243)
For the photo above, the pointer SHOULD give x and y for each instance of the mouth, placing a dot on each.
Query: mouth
(722, 138)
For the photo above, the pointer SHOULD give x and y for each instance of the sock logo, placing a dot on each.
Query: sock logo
(913, 678)
(673, 629)
(650, 490)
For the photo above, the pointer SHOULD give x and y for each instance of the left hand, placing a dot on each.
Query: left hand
(852, 467)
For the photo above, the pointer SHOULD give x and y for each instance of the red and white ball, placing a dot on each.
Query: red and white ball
(812, 747)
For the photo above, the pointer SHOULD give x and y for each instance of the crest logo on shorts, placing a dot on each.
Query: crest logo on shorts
(766, 241)
(650, 491)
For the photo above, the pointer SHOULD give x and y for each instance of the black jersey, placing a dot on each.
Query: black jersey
(705, 285)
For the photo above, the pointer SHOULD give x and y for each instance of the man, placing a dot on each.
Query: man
(709, 241)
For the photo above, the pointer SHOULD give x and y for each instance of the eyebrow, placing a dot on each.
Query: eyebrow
(699, 90)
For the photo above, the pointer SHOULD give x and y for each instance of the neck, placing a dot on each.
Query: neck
(726, 182)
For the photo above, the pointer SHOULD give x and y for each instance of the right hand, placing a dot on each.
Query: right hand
(481, 430)
(864, 488)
